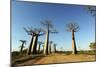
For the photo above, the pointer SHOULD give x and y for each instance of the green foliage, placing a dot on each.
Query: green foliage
(88, 52)
(91, 10)
(81, 52)
(92, 45)
(68, 52)
(16, 54)
(72, 26)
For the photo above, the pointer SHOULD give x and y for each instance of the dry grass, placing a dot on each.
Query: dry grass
(59, 58)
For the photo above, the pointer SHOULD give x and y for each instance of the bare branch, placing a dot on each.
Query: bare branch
(51, 42)
(40, 42)
(91, 9)
(23, 41)
(29, 31)
(53, 31)
(72, 27)
(43, 33)
(33, 31)
(47, 23)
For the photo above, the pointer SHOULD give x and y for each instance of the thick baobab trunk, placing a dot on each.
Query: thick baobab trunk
(74, 50)
(46, 43)
(30, 46)
(39, 48)
(22, 48)
(43, 49)
(54, 48)
(34, 45)
(49, 48)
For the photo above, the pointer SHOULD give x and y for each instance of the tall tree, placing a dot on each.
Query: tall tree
(55, 48)
(50, 46)
(92, 45)
(73, 27)
(43, 48)
(39, 45)
(91, 10)
(49, 26)
(31, 32)
(22, 45)
(35, 41)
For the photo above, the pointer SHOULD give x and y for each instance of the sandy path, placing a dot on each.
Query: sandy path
(60, 58)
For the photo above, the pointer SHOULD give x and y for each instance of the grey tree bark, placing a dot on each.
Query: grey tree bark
(39, 47)
(50, 48)
(73, 27)
(34, 45)
(22, 46)
(30, 46)
(54, 48)
(74, 51)
(49, 26)
(46, 43)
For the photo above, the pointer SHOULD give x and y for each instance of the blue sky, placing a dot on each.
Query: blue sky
(27, 14)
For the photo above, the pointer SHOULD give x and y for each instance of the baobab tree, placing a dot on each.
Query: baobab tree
(22, 45)
(48, 30)
(92, 45)
(73, 27)
(43, 47)
(50, 46)
(31, 32)
(33, 44)
(91, 10)
(39, 45)
(35, 41)
(55, 48)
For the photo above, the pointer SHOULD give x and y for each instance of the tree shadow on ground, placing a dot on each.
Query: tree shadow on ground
(20, 61)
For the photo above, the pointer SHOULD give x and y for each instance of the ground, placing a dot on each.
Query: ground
(58, 58)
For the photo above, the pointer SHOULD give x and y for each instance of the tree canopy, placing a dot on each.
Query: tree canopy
(72, 27)
(92, 45)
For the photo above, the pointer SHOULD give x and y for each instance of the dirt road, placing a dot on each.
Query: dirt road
(59, 58)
